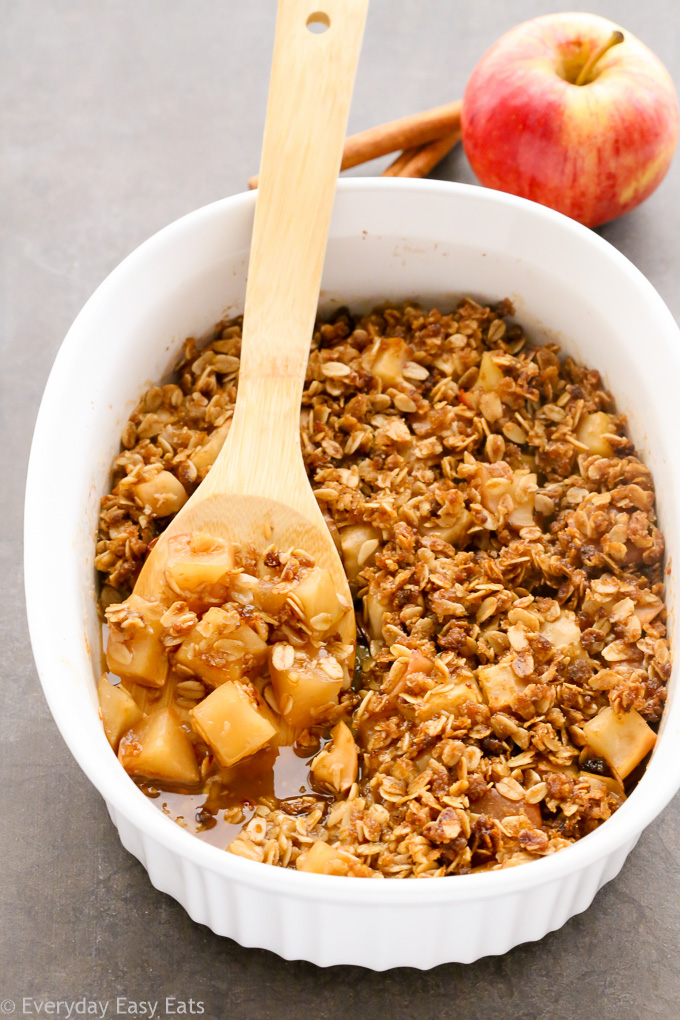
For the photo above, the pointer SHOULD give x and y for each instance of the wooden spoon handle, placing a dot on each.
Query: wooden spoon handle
(309, 99)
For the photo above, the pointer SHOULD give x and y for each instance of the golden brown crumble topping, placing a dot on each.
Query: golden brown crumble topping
(499, 534)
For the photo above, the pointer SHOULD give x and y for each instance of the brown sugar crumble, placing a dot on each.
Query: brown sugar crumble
(499, 534)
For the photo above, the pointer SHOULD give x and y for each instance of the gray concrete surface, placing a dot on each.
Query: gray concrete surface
(117, 116)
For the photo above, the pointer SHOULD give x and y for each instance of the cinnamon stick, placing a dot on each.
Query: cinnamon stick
(406, 133)
(424, 159)
(411, 132)
(403, 159)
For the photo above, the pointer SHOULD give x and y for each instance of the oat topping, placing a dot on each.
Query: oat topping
(500, 538)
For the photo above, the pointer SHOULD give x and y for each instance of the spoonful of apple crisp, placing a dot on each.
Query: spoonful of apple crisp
(252, 536)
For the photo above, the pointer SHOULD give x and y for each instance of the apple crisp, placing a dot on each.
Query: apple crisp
(498, 531)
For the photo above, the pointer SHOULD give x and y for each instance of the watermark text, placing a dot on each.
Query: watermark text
(104, 1009)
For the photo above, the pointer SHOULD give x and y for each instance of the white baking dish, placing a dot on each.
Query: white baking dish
(388, 238)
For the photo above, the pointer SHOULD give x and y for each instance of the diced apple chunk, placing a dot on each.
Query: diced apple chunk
(233, 722)
(318, 599)
(205, 456)
(389, 361)
(158, 748)
(500, 685)
(243, 588)
(162, 495)
(135, 648)
(523, 494)
(217, 651)
(337, 764)
(564, 634)
(270, 595)
(198, 561)
(450, 529)
(119, 711)
(623, 739)
(419, 663)
(490, 374)
(359, 544)
(449, 698)
(591, 432)
(306, 684)
(374, 611)
(494, 805)
(520, 488)
(323, 859)
(604, 784)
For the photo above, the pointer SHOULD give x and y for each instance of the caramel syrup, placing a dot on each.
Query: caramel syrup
(275, 777)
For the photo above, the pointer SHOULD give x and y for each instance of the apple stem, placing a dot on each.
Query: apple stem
(614, 39)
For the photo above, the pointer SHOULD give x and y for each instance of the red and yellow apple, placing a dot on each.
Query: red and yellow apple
(546, 118)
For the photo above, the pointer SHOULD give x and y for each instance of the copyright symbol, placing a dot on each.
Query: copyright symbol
(7, 1006)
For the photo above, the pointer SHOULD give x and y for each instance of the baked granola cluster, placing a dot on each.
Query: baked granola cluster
(499, 534)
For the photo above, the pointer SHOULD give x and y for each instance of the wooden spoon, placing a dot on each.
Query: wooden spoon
(257, 491)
